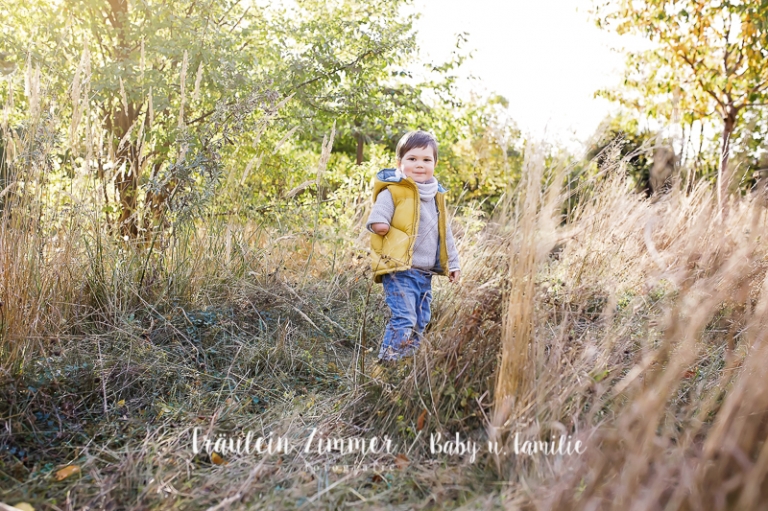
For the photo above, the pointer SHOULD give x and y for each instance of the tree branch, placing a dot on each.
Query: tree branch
(223, 16)
(701, 83)
(753, 90)
(727, 51)
(202, 117)
(239, 21)
(354, 62)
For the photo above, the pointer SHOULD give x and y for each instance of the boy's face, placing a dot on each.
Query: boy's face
(418, 164)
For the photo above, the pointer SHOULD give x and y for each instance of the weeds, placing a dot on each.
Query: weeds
(636, 328)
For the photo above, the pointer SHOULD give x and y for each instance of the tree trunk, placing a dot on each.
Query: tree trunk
(126, 161)
(360, 147)
(156, 202)
(119, 122)
(724, 177)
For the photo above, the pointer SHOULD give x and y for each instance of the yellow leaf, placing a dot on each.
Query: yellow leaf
(121, 403)
(67, 471)
(217, 460)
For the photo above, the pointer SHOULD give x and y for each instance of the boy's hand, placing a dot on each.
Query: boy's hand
(454, 276)
(380, 228)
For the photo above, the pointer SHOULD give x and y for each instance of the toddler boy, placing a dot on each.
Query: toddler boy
(411, 241)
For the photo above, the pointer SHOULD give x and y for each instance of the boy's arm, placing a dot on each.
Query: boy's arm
(382, 212)
(453, 253)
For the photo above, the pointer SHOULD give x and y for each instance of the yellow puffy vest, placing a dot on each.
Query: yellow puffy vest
(394, 251)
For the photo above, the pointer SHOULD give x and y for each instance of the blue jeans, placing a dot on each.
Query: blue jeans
(408, 294)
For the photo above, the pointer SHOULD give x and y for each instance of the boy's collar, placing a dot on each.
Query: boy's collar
(395, 176)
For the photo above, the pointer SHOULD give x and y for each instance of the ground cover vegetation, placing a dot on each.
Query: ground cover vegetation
(182, 259)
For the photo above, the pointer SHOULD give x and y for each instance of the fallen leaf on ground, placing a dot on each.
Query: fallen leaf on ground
(21, 506)
(217, 460)
(67, 471)
(421, 420)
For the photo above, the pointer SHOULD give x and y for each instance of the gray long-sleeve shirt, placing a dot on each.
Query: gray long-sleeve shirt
(425, 251)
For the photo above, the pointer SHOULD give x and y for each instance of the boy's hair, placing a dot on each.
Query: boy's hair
(414, 139)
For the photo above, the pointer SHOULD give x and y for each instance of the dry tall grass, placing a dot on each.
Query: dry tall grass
(641, 336)
(651, 333)
(675, 402)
